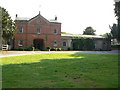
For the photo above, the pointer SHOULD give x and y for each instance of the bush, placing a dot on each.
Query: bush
(115, 46)
(83, 44)
(44, 49)
(24, 49)
(37, 49)
(69, 49)
(53, 49)
(56, 49)
(59, 49)
(18, 49)
(48, 47)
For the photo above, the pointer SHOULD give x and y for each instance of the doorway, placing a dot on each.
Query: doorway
(38, 43)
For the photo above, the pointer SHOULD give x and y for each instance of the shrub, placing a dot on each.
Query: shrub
(56, 49)
(69, 49)
(83, 44)
(37, 49)
(44, 49)
(115, 46)
(59, 49)
(53, 49)
(48, 47)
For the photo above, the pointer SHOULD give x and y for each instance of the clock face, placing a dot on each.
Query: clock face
(38, 21)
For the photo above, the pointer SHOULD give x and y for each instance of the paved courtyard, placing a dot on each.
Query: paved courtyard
(20, 53)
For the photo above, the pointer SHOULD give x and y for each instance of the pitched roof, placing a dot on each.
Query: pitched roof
(22, 18)
(30, 19)
(78, 35)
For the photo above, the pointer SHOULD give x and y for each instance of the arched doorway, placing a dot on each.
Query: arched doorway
(38, 43)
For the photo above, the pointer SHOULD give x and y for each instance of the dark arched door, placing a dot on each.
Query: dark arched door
(38, 43)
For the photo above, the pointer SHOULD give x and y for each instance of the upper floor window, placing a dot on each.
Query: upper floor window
(38, 31)
(55, 43)
(21, 30)
(20, 43)
(55, 31)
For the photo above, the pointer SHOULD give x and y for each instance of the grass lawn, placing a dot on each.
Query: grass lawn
(60, 71)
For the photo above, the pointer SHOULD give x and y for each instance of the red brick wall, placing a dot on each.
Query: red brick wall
(30, 32)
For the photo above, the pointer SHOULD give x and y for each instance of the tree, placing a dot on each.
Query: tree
(89, 31)
(107, 35)
(115, 29)
(117, 8)
(8, 27)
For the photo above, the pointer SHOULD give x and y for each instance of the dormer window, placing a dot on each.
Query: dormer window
(21, 30)
(38, 31)
(55, 31)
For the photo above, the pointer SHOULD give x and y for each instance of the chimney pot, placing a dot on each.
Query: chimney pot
(56, 18)
(16, 15)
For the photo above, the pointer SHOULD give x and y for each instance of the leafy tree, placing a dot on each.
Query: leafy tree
(115, 29)
(89, 31)
(107, 35)
(8, 27)
(117, 9)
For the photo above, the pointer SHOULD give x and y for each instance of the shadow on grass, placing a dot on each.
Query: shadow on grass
(73, 72)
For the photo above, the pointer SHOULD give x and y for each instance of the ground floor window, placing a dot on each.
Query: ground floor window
(20, 43)
(64, 43)
(55, 43)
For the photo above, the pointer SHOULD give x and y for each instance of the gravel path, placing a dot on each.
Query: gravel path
(20, 53)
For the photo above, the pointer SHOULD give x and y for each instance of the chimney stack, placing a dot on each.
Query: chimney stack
(55, 18)
(16, 15)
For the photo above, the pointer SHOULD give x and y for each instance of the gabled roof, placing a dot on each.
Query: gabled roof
(30, 19)
(39, 15)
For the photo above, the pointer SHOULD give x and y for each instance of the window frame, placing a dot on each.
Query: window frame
(21, 29)
(20, 43)
(55, 43)
(64, 44)
(55, 31)
(38, 31)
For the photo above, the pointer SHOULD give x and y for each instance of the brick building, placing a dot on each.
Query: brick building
(37, 32)
(41, 33)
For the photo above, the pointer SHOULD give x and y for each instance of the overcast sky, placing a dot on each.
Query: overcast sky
(75, 15)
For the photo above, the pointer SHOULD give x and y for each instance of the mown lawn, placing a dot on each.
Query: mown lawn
(60, 71)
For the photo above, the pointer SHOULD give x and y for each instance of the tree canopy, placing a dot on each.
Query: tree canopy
(117, 9)
(89, 31)
(107, 35)
(115, 29)
(8, 26)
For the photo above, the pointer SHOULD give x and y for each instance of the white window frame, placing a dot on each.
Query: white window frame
(38, 31)
(20, 43)
(56, 32)
(21, 29)
(55, 43)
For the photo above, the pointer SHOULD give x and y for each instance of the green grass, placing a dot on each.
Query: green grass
(60, 71)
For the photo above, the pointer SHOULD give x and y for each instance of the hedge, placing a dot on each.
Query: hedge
(83, 44)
